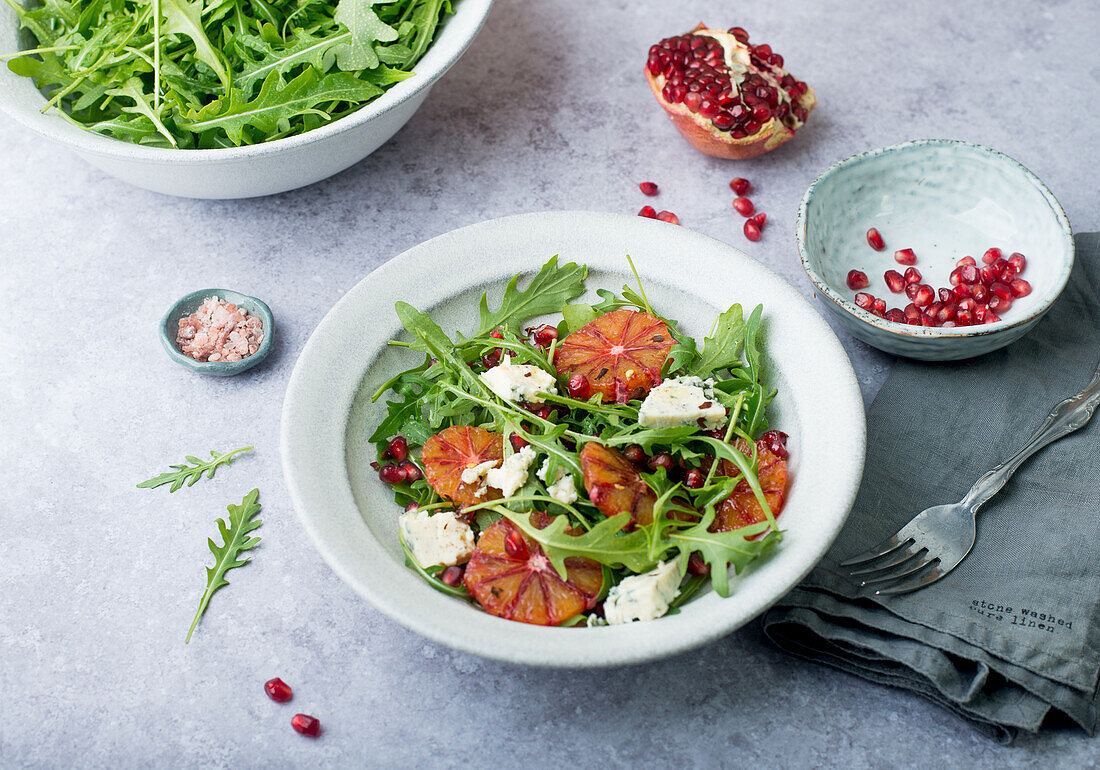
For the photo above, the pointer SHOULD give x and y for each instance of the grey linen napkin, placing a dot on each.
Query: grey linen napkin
(1011, 638)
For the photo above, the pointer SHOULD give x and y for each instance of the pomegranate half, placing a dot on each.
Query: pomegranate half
(728, 98)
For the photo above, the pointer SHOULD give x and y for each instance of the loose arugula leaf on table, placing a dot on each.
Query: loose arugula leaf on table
(236, 539)
(189, 474)
(551, 288)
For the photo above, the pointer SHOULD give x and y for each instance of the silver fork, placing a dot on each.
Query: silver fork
(937, 539)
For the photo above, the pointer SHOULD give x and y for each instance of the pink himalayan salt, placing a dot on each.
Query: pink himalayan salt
(219, 331)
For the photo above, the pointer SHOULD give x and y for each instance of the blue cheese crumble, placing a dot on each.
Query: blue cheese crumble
(512, 474)
(440, 539)
(522, 382)
(562, 488)
(643, 597)
(682, 401)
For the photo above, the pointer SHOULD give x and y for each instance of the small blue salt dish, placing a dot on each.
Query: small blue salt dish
(944, 200)
(169, 328)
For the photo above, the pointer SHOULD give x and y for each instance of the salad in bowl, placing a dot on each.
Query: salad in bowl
(569, 463)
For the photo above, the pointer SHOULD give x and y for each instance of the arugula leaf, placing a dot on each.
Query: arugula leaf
(722, 550)
(191, 473)
(551, 288)
(722, 349)
(305, 49)
(235, 541)
(605, 542)
(132, 90)
(185, 18)
(576, 316)
(365, 28)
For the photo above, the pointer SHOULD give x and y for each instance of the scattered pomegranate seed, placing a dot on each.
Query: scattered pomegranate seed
(760, 219)
(661, 460)
(904, 256)
(912, 275)
(518, 442)
(278, 690)
(579, 387)
(452, 576)
(648, 188)
(864, 300)
(544, 335)
(515, 545)
(874, 240)
(857, 279)
(694, 478)
(894, 281)
(965, 261)
(391, 474)
(776, 441)
(306, 725)
(635, 454)
(668, 216)
(740, 186)
(923, 296)
(744, 206)
(397, 449)
(648, 212)
(698, 567)
(1021, 288)
(991, 255)
(752, 230)
(895, 315)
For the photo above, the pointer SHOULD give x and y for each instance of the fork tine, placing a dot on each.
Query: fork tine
(928, 579)
(911, 567)
(893, 559)
(885, 547)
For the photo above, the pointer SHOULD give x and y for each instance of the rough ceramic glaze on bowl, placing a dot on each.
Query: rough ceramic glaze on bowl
(169, 327)
(261, 169)
(945, 200)
(352, 519)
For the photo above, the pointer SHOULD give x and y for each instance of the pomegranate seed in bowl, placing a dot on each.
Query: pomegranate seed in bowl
(905, 256)
(991, 255)
(864, 300)
(965, 261)
(912, 275)
(857, 279)
(874, 240)
(1021, 288)
(894, 281)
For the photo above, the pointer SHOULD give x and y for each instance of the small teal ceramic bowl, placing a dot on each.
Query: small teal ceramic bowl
(944, 199)
(169, 325)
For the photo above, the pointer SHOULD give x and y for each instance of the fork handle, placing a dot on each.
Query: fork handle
(1066, 417)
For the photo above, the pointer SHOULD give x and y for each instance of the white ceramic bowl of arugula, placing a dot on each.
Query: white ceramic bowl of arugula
(246, 171)
(328, 417)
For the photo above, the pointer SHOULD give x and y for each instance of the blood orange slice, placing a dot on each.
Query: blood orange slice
(742, 508)
(511, 578)
(620, 354)
(614, 484)
(451, 451)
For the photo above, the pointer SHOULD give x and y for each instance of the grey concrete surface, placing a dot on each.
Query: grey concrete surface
(548, 110)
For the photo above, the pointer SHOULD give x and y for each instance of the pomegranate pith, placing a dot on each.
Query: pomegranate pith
(727, 98)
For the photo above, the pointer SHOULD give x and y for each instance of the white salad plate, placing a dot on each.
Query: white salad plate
(352, 519)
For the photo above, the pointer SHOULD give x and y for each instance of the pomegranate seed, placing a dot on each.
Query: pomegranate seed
(1021, 288)
(744, 206)
(496, 334)
(1004, 291)
(760, 219)
(518, 442)
(991, 255)
(739, 33)
(698, 567)
(412, 506)
(895, 315)
(391, 474)
(661, 460)
(452, 576)
(776, 441)
(763, 51)
(694, 478)
(1007, 271)
(740, 186)
(397, 449)
(776, 60)
(491, 359)
(965, 261)
(912, 312)
(543, 412)
(999, 304)
(980, 292)
(949, 324)
(992, 318)
(412, 471)
(306, 725)
(278, 690)
(964, 318)
(911, 290)
(752, 230)
(946, 295)
(956, 276)
(544, 335)
(989, 275)
(668, 216)
(969, 274)
(901, 256)
(635, 454)
(515, 545)
(912, 275)
(923, 296)
(962, 291)
(981, 313)
(878, 307)
(648, 188)
(857, 279)
(967, 304)
(874, 240)
(864, 300)
(692, 100)
(946, 312)
(933, 308)
(648, 212)
(579, 387)
(1018, 261)
(894, 281)
(927, 320)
